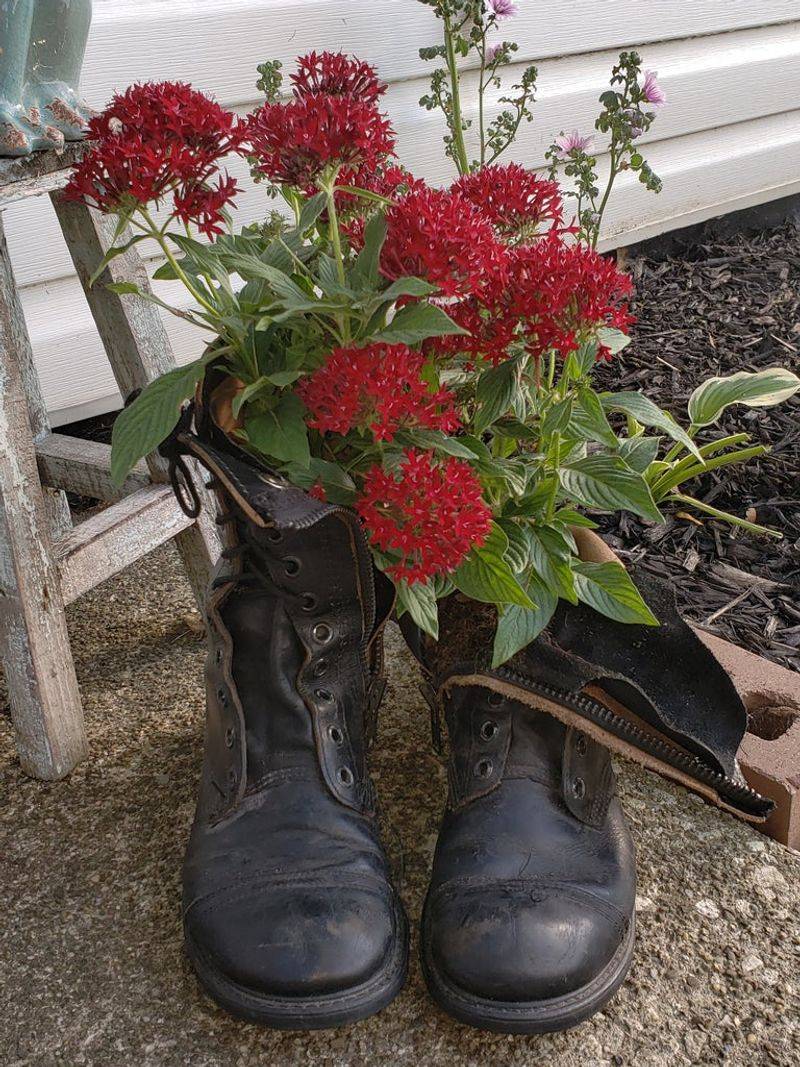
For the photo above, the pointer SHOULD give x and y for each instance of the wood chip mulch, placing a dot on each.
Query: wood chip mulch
(728, 305)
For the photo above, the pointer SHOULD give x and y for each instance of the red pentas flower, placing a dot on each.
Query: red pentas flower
(336, 74)
(293, 143)
(517, 202)
(564, 292)
(438, 235)
(379, 388)
(429, 511)
(558, 295)
(156, 140)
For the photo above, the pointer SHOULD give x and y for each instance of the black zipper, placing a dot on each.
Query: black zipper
(742, 796)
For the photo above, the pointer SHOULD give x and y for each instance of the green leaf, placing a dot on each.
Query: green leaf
(590, 419)
(551, 557)
(607, 587)
(282, 378)
(281, 433)
(419, 600)
(614, 340)
(409, 286)
(124, 288)
(517, 627)
(570, 517)
(647, 413)
(152, 416)
(311, 211)
(579, 363)
(557, 417)
(517, 552)
(486, 576)
(113, 253)
(416, 323)
(761, 389)
(607, 483)
(434, 440)
(365, 268)
(338, 485)
(640, 452)
(366, 194)
(495, 394)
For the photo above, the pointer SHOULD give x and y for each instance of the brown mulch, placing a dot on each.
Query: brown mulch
(727, 305)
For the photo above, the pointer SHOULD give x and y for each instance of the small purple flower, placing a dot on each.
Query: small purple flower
(492, 52)
(568, 143)
(653, 93)
(501, 9)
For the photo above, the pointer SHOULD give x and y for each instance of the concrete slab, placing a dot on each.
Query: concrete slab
(91, 966)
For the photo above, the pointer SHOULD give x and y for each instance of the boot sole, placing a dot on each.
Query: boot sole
(535, 1016)
(307, 1013)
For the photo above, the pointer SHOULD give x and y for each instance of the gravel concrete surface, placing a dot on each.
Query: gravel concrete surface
(91, 965)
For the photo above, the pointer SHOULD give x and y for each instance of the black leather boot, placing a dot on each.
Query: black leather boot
(528, 925)
(289, 912)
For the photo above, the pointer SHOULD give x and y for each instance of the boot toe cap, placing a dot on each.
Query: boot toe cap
(294, 942)
(521, 945)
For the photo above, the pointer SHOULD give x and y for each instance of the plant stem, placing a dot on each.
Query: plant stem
(336, 245)
(601, 210)
(685, 472)
(554, 452)
(734, 520)
(163, 244)
(481, 90)
(457, 130)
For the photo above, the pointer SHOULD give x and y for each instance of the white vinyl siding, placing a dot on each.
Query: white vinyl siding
(729, 138)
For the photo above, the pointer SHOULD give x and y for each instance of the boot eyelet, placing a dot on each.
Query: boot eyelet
(291, 566)
(489, 730)
(308, 602)
(336, 735)
(218, 656)
(345, 776)
(274, 535)
(579, 788)
(484, 768)
(230, 737)
(223, 697)
(320, 668)
(580, 744)
(322, 633)
(325, 696)
(495, 699)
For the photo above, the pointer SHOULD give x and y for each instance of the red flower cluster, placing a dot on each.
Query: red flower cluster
(336, 74)
(430, 512)
(556, 295)
(332, 120)
(379, 388)
(156, 140)
(562, 292)
(437, 235)
(516, 201)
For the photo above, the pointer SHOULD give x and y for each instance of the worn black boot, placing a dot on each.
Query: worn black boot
(289, 912)
(528, 925)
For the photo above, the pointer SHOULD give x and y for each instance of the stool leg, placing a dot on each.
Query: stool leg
(138, 350)
(45, 701)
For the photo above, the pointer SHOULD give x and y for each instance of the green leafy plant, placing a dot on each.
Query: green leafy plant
(424, 356)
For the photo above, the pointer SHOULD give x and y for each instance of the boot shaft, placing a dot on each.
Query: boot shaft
(295, 618)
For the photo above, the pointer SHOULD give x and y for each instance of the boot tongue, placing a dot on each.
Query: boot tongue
(665, 675)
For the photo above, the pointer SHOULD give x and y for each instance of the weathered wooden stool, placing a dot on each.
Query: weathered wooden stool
(45, 563)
